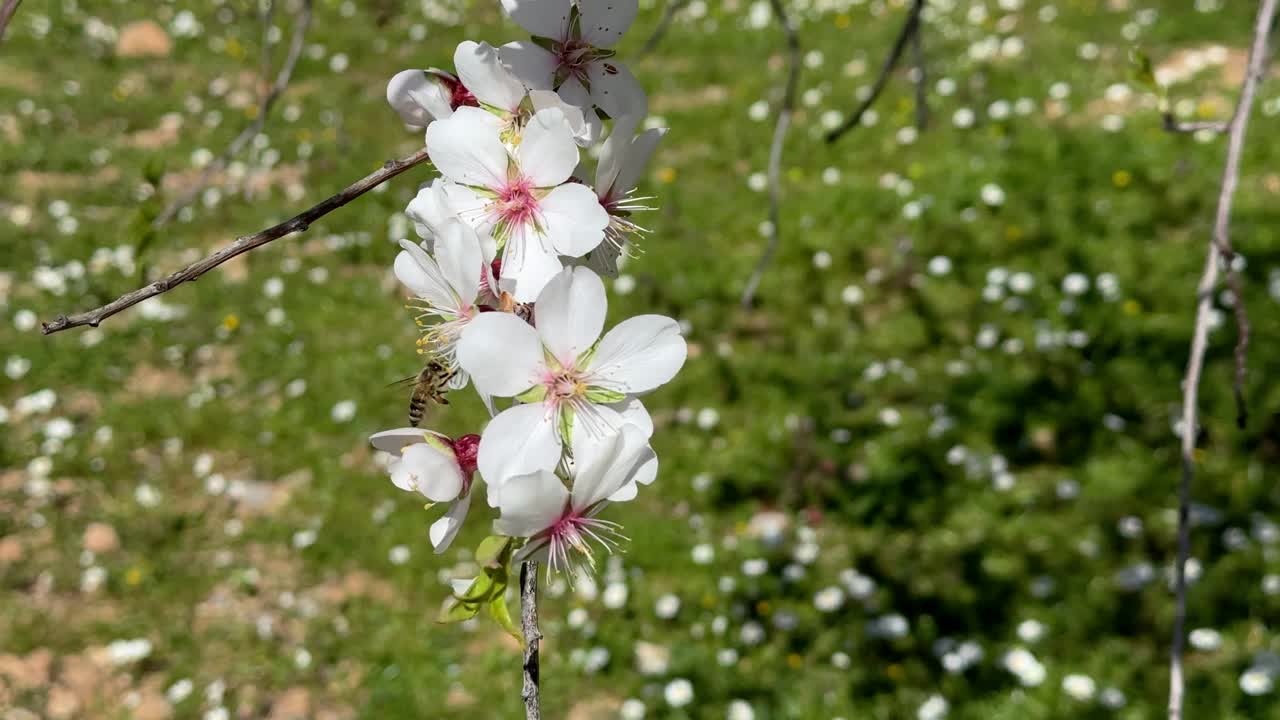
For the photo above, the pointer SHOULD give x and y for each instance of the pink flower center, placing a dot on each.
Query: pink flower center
(572, 59)
(517, 205)
(564, 387)
(569, 540)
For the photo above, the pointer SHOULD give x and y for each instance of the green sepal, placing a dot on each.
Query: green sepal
(501, 615)
(545, 43)
(566, 423)
(494, 551)
(479, 590)
(457, 611)
(601, 395)
(535, 394)
(437, 442)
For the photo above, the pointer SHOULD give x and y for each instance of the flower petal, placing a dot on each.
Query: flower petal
(637, 158)
(613, 153)
(530, 504)
(602, 22)
(543, 18)
(573, 92)
(432, 471)
(634, 412)
(604, 466)
(586, 127)
(469, 206)
(444, 530)
(594, 423)
(466, 148)
(569, 314)
(502, 353)
(645, 472)
(482, 72)
(393, 441)
(547, 152)
(418, 271)
(533, 65)
(529, 261)
(520, 440)
(615, 90)
(638, 354)
(430, 208)
(573, 218)
(419, 97)
(460, 260)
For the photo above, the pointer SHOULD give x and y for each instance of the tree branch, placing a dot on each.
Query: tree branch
(6, 14)
(921, 79)
(1219, 248)
(909, 28)
(532, 639)
(664, 24)
(296, 44)
(1173, 125)
(775, 150)
(298, 223)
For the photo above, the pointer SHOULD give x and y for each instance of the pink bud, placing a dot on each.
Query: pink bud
(466, 448)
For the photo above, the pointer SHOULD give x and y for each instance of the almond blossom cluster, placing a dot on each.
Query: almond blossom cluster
(506, 278)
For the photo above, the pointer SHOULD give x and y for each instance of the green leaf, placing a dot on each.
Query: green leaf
(493, 551)
(501, 615)
(457, 611)
(1143, 70)
(153, 170)
(1145, 74)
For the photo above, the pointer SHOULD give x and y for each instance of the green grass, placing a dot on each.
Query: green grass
(800, 419)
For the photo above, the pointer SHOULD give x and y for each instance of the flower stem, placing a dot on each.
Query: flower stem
(532, 637)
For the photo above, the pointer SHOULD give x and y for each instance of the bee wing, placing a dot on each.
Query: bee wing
(405, 381)
(458, 380)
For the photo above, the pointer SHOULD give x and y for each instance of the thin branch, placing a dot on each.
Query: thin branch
(532, 639)
(1174, 125)
(909, 28)
(296, 44)
(268, 17)
(6, 14)
(775, 150)
(1220, 248)
(298, 223)
(664, 24)
(921, 79)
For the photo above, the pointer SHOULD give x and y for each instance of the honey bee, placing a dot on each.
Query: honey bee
(429, 385)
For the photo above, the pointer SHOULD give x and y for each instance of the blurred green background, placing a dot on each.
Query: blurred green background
(934, 468)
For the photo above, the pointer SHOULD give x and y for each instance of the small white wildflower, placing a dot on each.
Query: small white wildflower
(678, 693)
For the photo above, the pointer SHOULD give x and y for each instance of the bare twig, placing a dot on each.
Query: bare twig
(6, 14)
(298, 223)
(921, 79)
(532, 639)
(268, 17)
(664, 24)
(1174, 125)
(775, 150)
(909, 28)
(296, 44)
(1220, 250)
